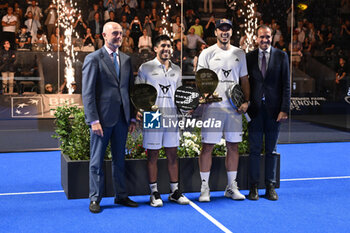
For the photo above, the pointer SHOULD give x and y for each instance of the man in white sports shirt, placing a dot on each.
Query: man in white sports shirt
(165, 76)
(229, 63)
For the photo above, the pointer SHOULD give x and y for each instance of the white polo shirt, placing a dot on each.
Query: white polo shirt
(229, 65)
(165, 81)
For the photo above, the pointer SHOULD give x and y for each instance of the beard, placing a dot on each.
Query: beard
(114, 43)
(223, 41)
(164, 56)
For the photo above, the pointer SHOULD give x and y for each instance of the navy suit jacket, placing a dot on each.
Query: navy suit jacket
(275, 85)
(103, 93)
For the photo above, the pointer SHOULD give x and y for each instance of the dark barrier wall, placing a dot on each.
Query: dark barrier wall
(47, 64)
(47, 67)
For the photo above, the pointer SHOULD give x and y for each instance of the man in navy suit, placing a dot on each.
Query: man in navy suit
(107, 78)
(268, 70)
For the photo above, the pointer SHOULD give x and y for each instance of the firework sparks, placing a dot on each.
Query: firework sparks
(250, 23)
(66, 19)
(250, 27)
(165, 11)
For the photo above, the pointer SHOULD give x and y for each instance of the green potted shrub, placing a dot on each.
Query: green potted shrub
(74, 137)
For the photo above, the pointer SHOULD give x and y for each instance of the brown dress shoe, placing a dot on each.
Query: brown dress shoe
(94, 207)
(270, 192)
(253, 193)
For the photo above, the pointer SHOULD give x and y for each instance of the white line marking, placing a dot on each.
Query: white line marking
(318, 178)
(295, 179)
(210, 218)
(25, 193)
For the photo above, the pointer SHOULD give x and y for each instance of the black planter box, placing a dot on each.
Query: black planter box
(75, 176)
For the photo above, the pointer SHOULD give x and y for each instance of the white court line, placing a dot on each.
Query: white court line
(295, 179)
(25, 193)
(210, 218)
(224, 229)
(196, 207)
(318, 178)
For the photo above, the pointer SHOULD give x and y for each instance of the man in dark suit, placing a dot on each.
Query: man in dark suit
(268, 70)
(107, 78)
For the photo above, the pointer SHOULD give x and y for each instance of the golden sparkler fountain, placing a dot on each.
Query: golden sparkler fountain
(66, 19)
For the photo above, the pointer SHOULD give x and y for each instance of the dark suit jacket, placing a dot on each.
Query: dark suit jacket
(275, 85)
(103, 94)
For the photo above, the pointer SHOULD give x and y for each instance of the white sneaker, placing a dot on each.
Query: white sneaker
(232, 191)
(177, 197)
(205, 193)
(156, 200)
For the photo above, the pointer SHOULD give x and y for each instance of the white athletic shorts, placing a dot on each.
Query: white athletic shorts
(154, 140)
(231, 125)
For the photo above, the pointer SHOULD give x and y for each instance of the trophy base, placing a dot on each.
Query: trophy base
(155, 108)
(210, 100)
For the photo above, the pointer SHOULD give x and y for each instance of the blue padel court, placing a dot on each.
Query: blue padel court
(314, 197)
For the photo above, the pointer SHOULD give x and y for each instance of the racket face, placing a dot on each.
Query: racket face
(143, 96)
(186, 98)
(206, 81)
(236, 96)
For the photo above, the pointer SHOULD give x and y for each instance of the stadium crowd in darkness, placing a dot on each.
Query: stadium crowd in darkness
(322, 30)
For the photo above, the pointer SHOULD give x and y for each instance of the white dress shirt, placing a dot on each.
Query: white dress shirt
(110, 52)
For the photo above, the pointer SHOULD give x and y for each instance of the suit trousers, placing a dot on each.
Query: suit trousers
(263, 125)
(117, 136)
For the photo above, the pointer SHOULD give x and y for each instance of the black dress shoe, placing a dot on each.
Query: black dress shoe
(253, 193)
(271, 193)
(94, 207)
(126, 202)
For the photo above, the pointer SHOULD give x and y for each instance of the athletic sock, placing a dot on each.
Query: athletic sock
(153, 187)
(174, 186)
(205, 178)
(231, 177)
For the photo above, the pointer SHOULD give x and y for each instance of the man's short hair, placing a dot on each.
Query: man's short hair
(40, 32)
(158, 39)
(263, 26)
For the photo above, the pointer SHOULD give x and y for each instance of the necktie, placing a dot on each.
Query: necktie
(263, 64)
(116, 64)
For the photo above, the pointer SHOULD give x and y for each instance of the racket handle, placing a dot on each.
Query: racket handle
(247, 117)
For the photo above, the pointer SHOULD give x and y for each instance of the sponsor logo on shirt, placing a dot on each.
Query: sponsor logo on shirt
(165, 89)
(226, 72)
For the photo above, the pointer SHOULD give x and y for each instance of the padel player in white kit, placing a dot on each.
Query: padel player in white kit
(229, 63)
(165, 76)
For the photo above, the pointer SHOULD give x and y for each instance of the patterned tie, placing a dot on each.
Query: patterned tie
(116, 64)
(263, 64)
